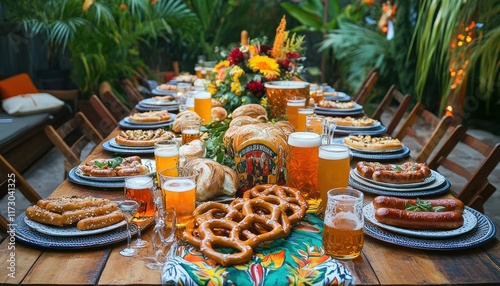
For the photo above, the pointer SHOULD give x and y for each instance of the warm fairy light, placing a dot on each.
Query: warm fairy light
(468, 39)
(449, 111)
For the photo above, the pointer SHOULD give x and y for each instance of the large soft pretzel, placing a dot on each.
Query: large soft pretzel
(265, 213)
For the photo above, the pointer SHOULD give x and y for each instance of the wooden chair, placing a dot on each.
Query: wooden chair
(107, 122)
(429, 143)
(114, 105)
(403, 102)
(477, 189)
(9, 175)
(366, 87)
(71, 137)
(132, 91)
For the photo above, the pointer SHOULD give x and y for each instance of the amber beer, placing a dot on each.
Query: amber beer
(140, 189)
(278, 91)
(302, 165)
(343, 235)
(333, 171)
(166, 156)
(301, 118)
(179, 192)
(203, 106)
(292, 109)
(190, 131)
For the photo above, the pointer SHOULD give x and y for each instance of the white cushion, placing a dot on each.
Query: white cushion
(31, 103)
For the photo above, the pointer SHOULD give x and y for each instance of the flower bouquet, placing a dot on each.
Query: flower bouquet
(240, 78)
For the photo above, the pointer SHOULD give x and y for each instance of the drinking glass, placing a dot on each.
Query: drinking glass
(302, 116)
(203, 106)
(329, 127)
(314, 123)
(128, 208)
(179, 192)
(140, 189)
(293, 103)
(316, 93)
(164, 236)
(302, 165)
(333, 171)
(166, 156)
(190, 100)
(343, 235)
(190, 131)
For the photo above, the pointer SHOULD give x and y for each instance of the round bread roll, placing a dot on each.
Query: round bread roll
(192, 150)
(182, 117)
(210, 178)
(230, 184)
(219, 113)
(285, 126)
(243, 120)
(253, 110)
(216, 103)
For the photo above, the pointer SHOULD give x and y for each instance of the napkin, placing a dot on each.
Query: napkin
(298, 259)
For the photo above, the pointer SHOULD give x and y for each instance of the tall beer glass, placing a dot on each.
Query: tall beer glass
(190, 131)
(302, 165)
(333, 171)
(343, 235)
(203, 106)
(166, 156)
(179, 192)
(301, 118)
(293, 103)
(140, 189)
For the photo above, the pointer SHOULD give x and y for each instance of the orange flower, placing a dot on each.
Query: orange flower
(279, 40)
(87, 4)
(123, 7)
(154, 1)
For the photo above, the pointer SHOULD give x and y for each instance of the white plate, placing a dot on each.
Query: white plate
(130, 121)
(470, 222)
(148, 163)
(68, 230)
(154, 101)
(356, 107)
(427, 180)
(438, 181)
(112, 142)
(355, 128)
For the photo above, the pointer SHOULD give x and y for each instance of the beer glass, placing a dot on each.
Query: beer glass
(178, 186)
(302, 165)
(140, 189)
(293, 103)
(316, 93)
(203, 106)
(190, 131)
(166, 156)
(190, 100)
(333, 171)
(314, 123)
(343, 234)
(301, 118)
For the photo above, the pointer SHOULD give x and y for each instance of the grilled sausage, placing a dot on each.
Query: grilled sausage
(420, 220)
(400, 203)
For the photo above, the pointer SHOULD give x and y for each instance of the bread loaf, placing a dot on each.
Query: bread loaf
(285, 126)
(243, 120)
(230, 182)
(253, 110)
(218, 113)
(210, 178)
(192, 150)
(182, 117)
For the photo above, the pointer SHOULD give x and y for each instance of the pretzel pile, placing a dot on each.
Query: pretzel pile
(265, 213)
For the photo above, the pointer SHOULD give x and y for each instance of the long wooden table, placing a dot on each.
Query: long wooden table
(380, 263)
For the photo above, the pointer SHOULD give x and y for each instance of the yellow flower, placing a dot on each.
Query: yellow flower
(222, 64)
(237, 72)
(265, 65)
(212, 88)
(236, 87)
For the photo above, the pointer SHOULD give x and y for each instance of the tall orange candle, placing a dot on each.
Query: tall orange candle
(244, 38)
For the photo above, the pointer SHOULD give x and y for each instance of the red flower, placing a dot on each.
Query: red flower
(256, 87)
(236, 56)
(265, 49)
(285, 63)
(292, 55)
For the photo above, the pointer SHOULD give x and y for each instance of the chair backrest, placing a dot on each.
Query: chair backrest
(366, 87)
(477, 189)
(71, 137)
(429, 143)
(403, 102)
(9, 177)
(114, 105)
(132, 91)
(107, 122)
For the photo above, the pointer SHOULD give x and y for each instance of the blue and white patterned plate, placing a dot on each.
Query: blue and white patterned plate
(26, 234)
(417, 193)
(130, 121)
(435, 179)
(148, 163)
(396, 155)
(470, 221)
(68, 230)
(106, 145)
(482, 233)
(156, 102)
(358, 128)
(379, 130)
(144, 108)
(356, 107)
(115, 144)
(73, 177)
(336, 96)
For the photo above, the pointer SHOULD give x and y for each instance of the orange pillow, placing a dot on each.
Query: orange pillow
(16, 85)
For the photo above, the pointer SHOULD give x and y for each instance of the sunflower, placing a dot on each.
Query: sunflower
(264, 64)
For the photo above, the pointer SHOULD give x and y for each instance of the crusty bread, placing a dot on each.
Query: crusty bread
(243, 120)
(285, 126)
(192, 150)
(219, 113)
(210, 178)
(253, 110)
(182, 117)
(230, 183)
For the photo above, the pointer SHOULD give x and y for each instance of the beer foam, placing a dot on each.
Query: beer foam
(166, 152)
(139, 182)
(179, 185)
(333, 152)
(202, 95)
(304, 139)
(343, 220)
(286, 84)
(296, 102)
(191, 131)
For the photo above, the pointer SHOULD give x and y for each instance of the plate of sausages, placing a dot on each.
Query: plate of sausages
(390, 214)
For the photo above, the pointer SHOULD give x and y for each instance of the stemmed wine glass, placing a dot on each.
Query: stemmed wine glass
(128, 208)
(164, 233)
(140, 189)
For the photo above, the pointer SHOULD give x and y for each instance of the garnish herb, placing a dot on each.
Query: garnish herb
(113, 163)
(424, 206)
